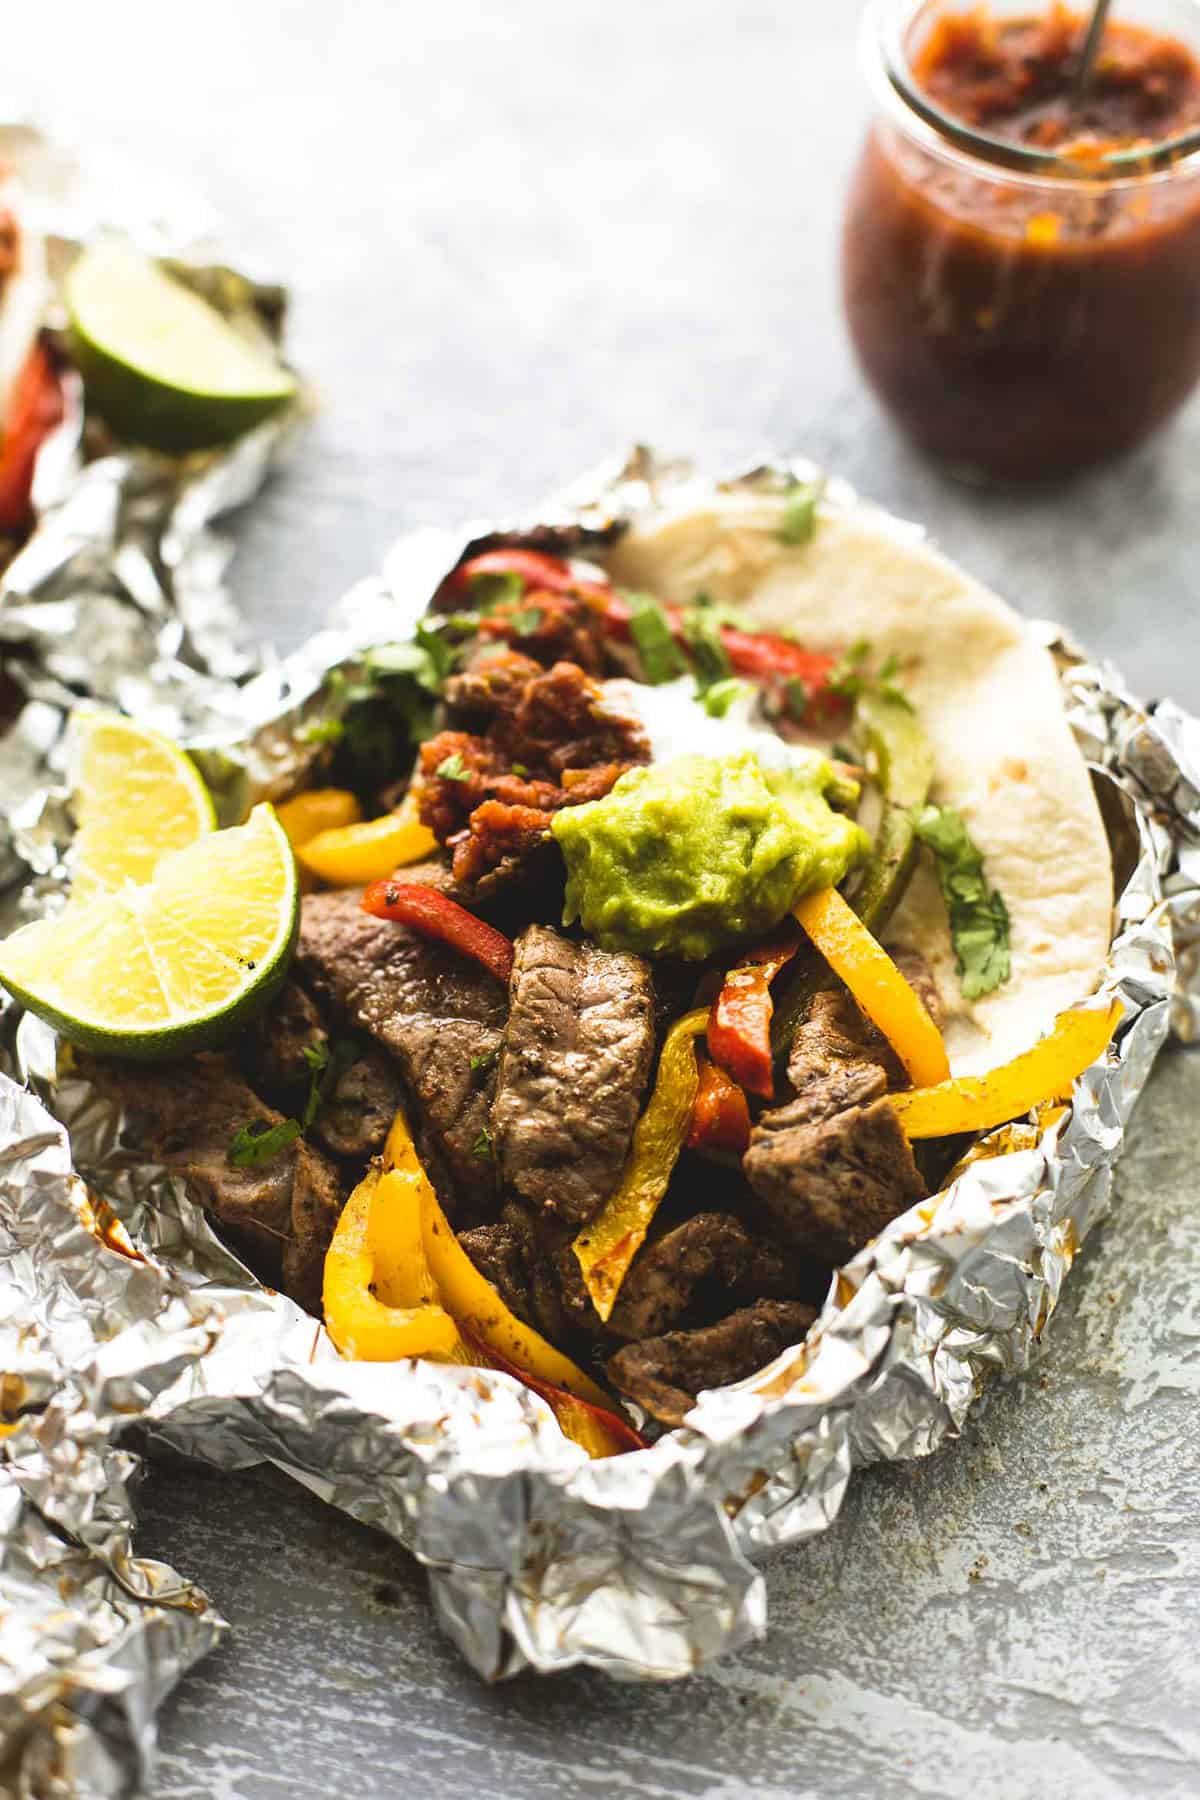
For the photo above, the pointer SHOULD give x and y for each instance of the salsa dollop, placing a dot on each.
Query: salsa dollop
(1024, 323)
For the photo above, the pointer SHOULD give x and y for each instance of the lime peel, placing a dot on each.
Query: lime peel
(160, 364)
(175, 965)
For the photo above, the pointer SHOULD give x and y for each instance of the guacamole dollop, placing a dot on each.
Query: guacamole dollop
(686, 856)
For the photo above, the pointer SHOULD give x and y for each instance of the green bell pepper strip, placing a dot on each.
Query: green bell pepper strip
(892, 732)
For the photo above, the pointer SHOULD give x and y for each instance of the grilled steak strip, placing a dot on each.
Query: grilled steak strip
(711, 1256)
(357, 1115)
(435, 1012)
(665, 1374)
(832, 1181)
(281, 1215)
(575, 1061)
(833, 1165)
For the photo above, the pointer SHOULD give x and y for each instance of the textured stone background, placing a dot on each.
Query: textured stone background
(519, 236)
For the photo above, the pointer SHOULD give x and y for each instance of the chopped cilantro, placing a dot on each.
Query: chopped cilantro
(482, 1147)
(799, 520)
(796, 699)
(317, 1056)
(486, 1061)
(662, 659)
(896, 695)
(702, 634)
(717, 699)
(489, 589)
(453, 768)
(520, 769)
(254, 1144)
(527, 621)
(322, 731)
(847, 678)
(978, 915)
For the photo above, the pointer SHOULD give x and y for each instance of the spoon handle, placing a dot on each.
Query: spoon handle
(1091, 46)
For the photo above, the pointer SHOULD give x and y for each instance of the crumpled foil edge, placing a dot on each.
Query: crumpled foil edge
(644, 1565)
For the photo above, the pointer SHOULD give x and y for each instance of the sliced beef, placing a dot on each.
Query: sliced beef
(272, 1051)
(508, 1252)
(281, 1215)
(573, 1069)
(665, 1374)
(356, 1114)
(707, 1258)
(836, 1034)
(436, 1012)
(832, 1179)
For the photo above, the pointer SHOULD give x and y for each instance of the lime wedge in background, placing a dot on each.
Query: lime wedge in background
(174, 965)
(136, 797)
(160, 364)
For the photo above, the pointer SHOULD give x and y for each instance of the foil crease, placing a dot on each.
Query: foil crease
(135, 1317)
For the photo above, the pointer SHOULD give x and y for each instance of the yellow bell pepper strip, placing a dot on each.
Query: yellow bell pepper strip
(362, 1326)
(307, 815)
(876, 983)
(489, 1336)
(402, 1275)
(605, 1248)
(599, 1430)
(353, 854)
(977, 1102)
(471, 1299)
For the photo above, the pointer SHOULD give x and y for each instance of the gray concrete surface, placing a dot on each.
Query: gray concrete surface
(519, 236)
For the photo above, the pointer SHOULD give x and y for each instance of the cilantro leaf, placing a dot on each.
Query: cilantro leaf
(718, 699)
(526, 621)
(482, 1147)
(317, 1056)
(322, 731)
(453, 768)
(796, 697)
(487, 1060)
(978, 915)
(254, 1144)
(847, 678)
(492, 588)
(662, 659)
(799, 520)
(702, 634)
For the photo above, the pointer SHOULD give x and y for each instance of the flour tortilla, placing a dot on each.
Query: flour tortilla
(989, 700)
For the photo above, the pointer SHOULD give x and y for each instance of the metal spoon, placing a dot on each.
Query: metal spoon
(1091, 47)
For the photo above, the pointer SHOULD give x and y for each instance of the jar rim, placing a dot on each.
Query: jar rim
(885, 26)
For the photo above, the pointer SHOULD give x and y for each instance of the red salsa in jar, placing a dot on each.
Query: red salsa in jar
(1021, 265)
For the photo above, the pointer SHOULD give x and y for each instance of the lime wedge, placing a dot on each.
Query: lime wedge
(136, 797)
(174, 965)
(158, 363)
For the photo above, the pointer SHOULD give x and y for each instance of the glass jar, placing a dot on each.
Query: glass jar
(1020, 312)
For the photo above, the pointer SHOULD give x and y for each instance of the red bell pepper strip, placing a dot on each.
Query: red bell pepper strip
(35, 408)
(535, 568)
(758, 655)
(425, 910)
(720, 1116)
(739, 1027)
(761, 656)
(601, 1433)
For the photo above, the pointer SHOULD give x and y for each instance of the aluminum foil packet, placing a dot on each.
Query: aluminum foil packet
(125, 1316)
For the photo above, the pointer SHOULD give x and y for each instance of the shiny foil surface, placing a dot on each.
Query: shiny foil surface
(133, 1321)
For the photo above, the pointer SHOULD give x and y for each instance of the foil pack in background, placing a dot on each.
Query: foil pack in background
(134, 1314)
(119, 595)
